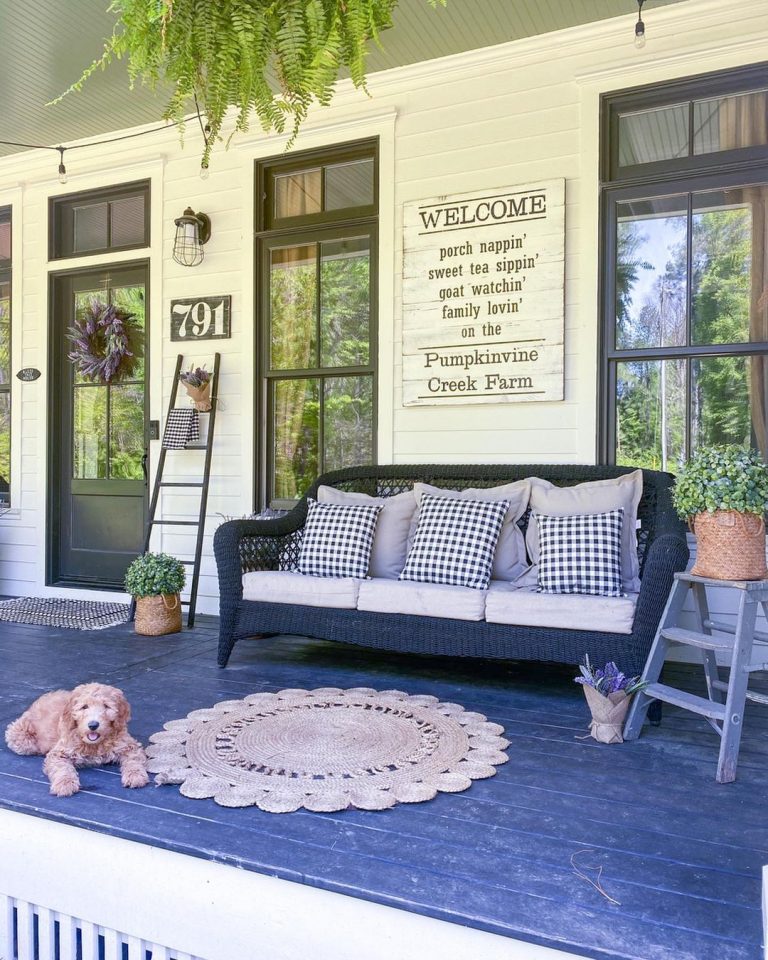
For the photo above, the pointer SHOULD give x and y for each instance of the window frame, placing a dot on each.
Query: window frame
(310, 228)
(60, 210)
(690, 175)
(6, 276)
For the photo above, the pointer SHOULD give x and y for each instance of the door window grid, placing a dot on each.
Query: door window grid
(100, 221)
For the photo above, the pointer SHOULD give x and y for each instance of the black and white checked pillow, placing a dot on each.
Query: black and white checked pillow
(581, 554)
(337, 539)
(455, 541)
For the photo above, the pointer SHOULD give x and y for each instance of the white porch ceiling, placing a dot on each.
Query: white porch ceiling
(45, 44)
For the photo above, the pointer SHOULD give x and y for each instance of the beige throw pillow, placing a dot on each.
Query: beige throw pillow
(509, 560)
(390, 541)
(586, 499)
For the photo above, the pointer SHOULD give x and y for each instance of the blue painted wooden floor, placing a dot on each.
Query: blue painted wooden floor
(680, 853)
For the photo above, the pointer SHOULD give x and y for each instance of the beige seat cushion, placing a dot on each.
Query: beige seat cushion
(584, 499)
(284, 586)
(509, 559)
(390, 541)
(421, 599)
(523, 606)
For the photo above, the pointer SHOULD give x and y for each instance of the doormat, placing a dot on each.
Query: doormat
(72, 614)
(326, 750)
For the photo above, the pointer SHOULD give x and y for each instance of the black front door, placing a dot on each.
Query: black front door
(98, 439)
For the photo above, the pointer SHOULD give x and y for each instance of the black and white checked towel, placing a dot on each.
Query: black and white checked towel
(181, 428)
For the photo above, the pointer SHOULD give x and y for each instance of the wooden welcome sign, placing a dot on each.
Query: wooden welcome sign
(483, 296)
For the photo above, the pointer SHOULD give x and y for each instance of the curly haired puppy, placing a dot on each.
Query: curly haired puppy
(84, 727)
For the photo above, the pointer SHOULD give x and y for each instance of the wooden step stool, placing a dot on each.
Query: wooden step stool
(724, 705)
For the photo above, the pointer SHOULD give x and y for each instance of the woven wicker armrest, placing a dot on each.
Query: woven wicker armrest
(666, 554)
(242, 545)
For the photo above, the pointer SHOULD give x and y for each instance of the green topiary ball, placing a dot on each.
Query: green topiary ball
(722, 478)
(153, 574)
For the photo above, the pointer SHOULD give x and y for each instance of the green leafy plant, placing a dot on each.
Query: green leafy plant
(722, 478)
(273, 57)
(153, 574)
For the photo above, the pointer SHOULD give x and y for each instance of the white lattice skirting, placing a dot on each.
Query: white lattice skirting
(32, 932)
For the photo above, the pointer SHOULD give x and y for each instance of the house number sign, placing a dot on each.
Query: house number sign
(201, 318)
(483, 296)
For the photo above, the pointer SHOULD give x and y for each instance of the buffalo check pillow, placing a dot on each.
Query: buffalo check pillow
(455, 541)
(337, 539)
(581, 554)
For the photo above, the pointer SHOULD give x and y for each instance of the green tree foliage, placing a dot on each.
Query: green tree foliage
(651, 395)
(274, 58)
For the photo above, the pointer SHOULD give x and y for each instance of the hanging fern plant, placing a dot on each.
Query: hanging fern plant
(274, 58)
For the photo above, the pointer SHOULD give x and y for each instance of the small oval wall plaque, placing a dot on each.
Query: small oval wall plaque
(28, 373)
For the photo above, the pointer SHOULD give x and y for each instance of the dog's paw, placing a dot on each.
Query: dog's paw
(135, 778)
(65, 786)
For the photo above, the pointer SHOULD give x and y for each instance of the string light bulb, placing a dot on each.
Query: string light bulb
(62, 168)
(640, 26)
(204, 171)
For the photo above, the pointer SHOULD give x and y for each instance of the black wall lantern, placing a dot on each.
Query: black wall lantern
(192, 231)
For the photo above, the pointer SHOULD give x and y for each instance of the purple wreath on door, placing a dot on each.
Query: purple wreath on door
(106, 344)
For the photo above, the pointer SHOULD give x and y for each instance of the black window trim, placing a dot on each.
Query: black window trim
(118, 191)
(693, 174)
(269, 233)
(6, 276)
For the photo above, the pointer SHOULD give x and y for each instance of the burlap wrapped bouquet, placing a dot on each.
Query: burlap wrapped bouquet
(608, 692)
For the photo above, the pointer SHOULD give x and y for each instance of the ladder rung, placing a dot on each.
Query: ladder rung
(751, 694)
(731, 628)
(196, 446)
(175, 483)
(688, 701)
(692, 638)
(175, 523)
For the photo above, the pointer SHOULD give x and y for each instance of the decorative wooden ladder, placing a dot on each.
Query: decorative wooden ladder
(202, 485)
(723, 707)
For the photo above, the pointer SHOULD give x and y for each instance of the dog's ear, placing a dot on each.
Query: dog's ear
(67, 720)
(123, 708)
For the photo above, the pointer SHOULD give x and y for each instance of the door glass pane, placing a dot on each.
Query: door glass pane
(349, 184)
(126, 431)
(132, 299)
(660, 134)
(345, 302)
(729, 123)
(651, 273)
(650, 414)
(90, 227)
(730, 270)
(5, 332)
(296, 420)
(727, 393)
(5, 447)
(348, 422)
(293, 307)
(89, 440)
(298, 194)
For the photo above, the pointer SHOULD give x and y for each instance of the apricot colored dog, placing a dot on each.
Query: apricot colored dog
(84, 727)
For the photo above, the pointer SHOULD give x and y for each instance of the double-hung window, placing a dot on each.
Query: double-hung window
(316, 217)
(5, 356)
(685, 280)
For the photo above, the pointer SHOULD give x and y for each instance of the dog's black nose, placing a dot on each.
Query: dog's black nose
(93, 725)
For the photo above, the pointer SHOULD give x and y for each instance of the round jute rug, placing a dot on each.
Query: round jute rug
(326, 749)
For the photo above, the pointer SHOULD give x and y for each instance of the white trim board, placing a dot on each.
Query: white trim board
(219, 912)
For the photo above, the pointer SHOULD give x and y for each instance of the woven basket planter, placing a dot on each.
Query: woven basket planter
(201, 396)
(730, 546)
(156, 616)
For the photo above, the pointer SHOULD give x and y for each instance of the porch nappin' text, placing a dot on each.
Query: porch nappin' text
(483, 312)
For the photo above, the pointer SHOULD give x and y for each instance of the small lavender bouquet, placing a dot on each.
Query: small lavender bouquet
(195, 376)
(608, 692)
(197, 382)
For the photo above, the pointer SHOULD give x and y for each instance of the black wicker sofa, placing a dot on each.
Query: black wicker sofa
(250, 545)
